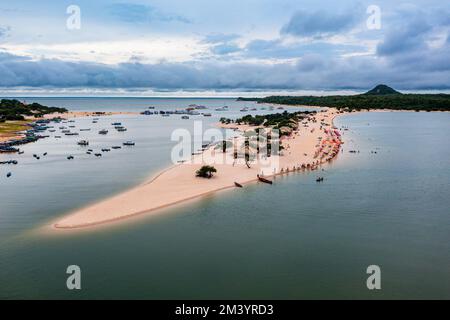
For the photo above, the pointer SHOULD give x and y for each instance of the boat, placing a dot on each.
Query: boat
(121, 129)
(116, 147)
(70, 158)
(207, 114)
(9, 174)
(8, 149)
(106, 150)
(71, 134)
(185, 117)
(9, 162)
(104, 131)
(83, 143)
(98, 154)
(238, 185)
(129, 143)
(85, 129)
(116, 124)
(264, 179)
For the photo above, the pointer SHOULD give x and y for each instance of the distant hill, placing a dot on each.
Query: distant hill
(382, 89)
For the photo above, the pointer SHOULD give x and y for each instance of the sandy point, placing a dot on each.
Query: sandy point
(313, 143)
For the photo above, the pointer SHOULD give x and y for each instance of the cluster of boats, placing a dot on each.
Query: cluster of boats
(40, 126)
(31, 135)
(85, 143)
(191, 110)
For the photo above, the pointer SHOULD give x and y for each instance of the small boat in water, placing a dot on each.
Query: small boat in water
(129, 143)
(83, 143)
(104, 131)
(9, 174)
(185, 117)
(238, 185)
(116, 147)
(264, 179)
(70, 158)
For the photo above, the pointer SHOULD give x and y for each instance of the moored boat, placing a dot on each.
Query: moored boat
(262, 179)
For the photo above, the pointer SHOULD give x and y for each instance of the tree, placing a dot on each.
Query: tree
(206, 172)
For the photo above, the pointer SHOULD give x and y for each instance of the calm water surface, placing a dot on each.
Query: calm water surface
(295, 239)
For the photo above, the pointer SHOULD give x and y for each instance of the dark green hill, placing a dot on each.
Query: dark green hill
(382, 89)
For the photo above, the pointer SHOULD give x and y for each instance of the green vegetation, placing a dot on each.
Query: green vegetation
(206, 172)
(10, 127)
(381, 97)
(16, 110)
(285, 122)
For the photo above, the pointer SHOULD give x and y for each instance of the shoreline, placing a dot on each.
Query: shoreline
(304, 151)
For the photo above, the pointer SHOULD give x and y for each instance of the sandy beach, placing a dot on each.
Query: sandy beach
(315, 142)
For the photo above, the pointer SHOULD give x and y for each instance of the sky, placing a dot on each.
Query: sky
(215, 46)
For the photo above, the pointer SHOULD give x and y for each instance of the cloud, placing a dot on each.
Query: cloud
(219, 38)
(139, 13)
(225, 48)
(4, 31)
(406, 37)
(312, 71)
(222, 44)
(410, 29)
(280, 49)
(319, 23)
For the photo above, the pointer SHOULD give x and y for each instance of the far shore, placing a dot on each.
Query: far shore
(313, 144)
